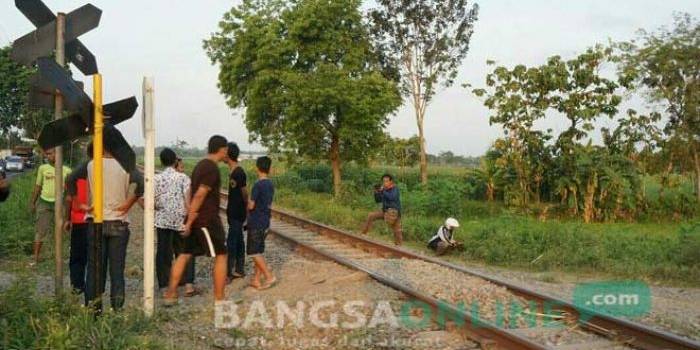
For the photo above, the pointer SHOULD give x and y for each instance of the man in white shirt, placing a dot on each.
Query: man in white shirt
(172, 190)
(115, 229)
(443, 241)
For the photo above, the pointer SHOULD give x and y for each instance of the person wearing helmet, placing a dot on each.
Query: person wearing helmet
(443, 241)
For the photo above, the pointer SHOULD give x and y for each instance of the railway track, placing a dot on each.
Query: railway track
(380, 261)
(392, 266)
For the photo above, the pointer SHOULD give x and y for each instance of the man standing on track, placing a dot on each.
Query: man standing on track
(259, 207)
(388, 195)
(204, 233)
(117, 201)
(44, 191)
(172, 190)
(236, 214)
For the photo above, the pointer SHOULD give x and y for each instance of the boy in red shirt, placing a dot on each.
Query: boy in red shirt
(77, 201)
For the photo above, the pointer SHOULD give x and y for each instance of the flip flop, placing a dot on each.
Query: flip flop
(250, 285)
(193, 292)
(169, 302)
(269, 284)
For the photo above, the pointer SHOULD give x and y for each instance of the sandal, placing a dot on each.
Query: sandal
(269, 284)
(170, 301)
(193, 292)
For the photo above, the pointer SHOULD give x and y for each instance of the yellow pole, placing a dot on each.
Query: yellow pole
(97, 193)
(97, 149)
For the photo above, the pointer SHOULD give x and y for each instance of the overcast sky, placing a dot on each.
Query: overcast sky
(163, 39)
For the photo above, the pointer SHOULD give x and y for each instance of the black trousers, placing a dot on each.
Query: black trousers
(236, 248)
(78, 260)
(170, 244)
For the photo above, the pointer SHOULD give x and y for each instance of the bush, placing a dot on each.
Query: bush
(439, 198)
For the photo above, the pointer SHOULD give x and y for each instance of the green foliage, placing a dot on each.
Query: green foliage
(665, 65)
(399, 152)
(308, 77)
(17, 230)
(30, 321)
(544, 246)
(14, 80)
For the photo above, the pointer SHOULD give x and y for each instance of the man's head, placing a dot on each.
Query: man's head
(217, 147)
(387, 180)
(50, 155)
(180, 165)
(168, 158)
(233, 151)
(263, 164)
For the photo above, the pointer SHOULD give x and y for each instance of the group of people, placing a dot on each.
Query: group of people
(187, 220)
(189, 224)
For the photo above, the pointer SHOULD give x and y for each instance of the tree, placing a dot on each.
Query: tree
(308, 76)
(425, 41)
(599, 181)
(13, 91)
(400, 152)
(666, 65)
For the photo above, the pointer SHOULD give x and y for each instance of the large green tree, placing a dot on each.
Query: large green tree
(666, 65)
(13, 91)
(424, 41)
(308, 76)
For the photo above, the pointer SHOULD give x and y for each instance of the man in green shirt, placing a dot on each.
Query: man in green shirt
(44, 191)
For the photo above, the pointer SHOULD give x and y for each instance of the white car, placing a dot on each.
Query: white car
(14, 164)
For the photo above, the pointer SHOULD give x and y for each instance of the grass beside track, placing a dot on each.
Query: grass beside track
(30, 319)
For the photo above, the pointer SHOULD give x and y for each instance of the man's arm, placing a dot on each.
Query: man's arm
(244, 194)
(35, 192)
(135, 177)
(196, 203)
(441, 235)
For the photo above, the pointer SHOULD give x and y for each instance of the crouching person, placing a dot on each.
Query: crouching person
(443, 241)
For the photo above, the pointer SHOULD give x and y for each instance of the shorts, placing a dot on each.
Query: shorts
(44, 220)
(255, 244)
(209, 240)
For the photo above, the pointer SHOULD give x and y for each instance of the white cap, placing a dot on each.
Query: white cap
(451, 223)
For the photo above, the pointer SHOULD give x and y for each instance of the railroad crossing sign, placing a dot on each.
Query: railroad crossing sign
(77, 22)
(52, 79)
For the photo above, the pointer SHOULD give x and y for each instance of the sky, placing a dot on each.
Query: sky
(163, 39)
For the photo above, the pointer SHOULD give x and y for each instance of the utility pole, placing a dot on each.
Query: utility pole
(58, 165)
(149, 198)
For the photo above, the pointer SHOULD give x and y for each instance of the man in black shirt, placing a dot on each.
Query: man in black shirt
(204, 232)
(236, 214)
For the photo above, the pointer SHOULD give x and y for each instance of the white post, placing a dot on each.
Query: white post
(149, 198)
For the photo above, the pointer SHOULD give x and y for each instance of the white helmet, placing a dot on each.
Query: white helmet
(451, 223)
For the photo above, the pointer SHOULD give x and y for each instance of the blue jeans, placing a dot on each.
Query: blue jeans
(236, 248)
(112, 252)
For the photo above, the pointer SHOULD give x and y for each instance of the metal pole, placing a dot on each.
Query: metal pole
(58, 165)
(149, 198)
(97, 196)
